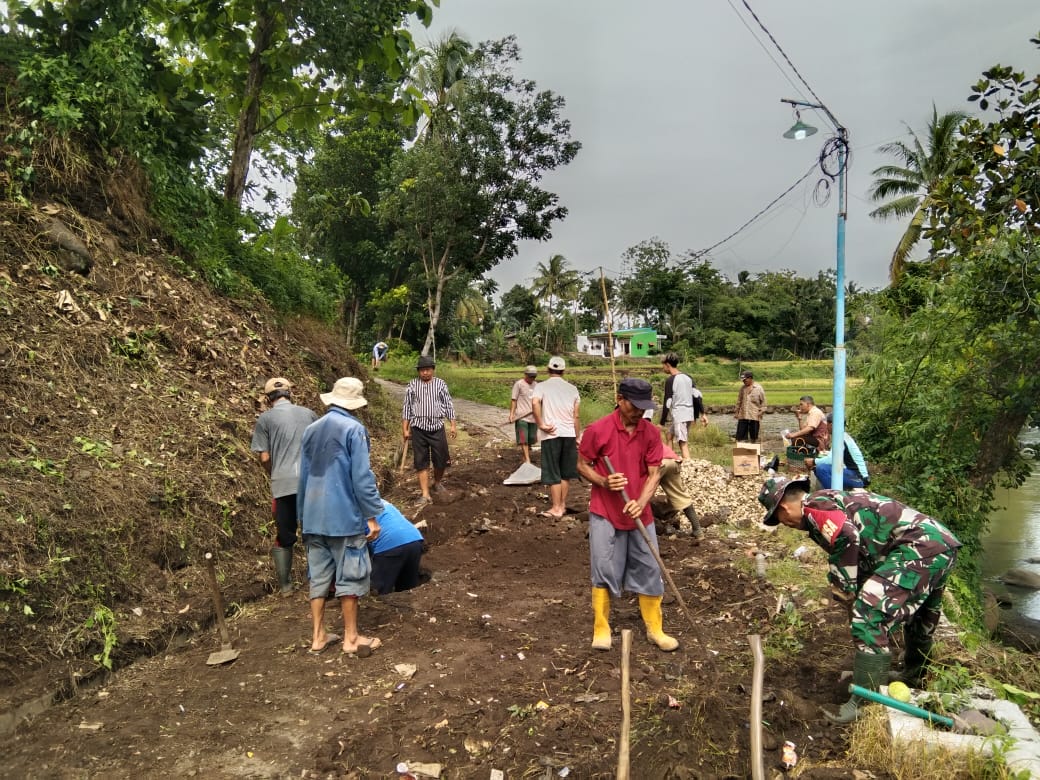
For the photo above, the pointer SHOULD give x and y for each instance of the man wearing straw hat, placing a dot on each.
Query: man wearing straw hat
(339, 502)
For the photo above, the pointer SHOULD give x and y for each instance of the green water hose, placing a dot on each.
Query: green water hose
(902, 706)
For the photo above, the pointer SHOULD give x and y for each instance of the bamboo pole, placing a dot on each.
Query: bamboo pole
(758, 771)
(626, 705)
(610, 327)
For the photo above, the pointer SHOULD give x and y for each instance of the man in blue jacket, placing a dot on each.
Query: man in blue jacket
(338, 502)
(396, 552)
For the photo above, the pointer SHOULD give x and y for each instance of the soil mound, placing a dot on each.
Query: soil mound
(130, 393)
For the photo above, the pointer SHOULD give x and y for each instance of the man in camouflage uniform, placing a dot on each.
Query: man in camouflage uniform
(888, 567)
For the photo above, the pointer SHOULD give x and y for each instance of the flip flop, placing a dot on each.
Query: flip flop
(330, 640)
(550, 515)
(364, 649)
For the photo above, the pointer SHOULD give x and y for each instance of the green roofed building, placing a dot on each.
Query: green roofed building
(632, 342)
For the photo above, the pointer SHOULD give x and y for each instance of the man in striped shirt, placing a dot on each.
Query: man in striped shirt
(427, 404)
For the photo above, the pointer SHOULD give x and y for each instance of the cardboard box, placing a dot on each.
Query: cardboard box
(745, 459)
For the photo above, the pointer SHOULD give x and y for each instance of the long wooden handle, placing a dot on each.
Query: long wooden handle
(653, 549)
(218, 602)
(626, 706)
(404, 453)
(758, 674)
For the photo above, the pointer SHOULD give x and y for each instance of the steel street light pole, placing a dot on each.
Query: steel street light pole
(798, 132)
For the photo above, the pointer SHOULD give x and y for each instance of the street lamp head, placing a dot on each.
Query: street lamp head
(799, 130)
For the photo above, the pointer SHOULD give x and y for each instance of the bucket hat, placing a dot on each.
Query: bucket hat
(348, 392)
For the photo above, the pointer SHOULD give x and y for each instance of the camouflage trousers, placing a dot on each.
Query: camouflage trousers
(904, 591)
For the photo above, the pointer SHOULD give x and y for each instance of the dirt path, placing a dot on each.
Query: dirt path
(486, 667)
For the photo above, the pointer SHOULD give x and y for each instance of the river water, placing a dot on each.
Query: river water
(1014, 537)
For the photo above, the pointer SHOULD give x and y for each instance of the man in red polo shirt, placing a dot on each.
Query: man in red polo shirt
(619, 556)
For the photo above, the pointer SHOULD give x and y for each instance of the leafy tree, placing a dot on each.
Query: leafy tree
(651, 283)
(907, 186)
(592, 313)
(464, 196)
(333, 203)
(517, 309)
(278, 69)
(956, 379)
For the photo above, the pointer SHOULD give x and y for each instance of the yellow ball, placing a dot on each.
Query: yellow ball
(898, 691)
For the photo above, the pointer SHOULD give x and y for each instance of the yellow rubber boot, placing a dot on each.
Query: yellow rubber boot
(650, 608)
(601, 619)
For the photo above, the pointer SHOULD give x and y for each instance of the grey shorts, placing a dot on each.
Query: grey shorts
(681, 430)
(620, 560)
(340, 559)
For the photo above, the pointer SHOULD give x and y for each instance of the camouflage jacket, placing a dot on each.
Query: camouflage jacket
(859, 530)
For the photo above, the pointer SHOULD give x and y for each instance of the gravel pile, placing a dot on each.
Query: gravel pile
(721, 497)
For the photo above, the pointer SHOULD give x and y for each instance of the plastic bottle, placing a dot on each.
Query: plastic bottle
(760, 565)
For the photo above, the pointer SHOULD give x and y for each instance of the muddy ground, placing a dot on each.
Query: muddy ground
(499, 643)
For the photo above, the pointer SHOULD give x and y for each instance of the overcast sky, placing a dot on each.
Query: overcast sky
(677, 106)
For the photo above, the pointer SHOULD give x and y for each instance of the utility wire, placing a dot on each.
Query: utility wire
(768, 53)
(782, 52)
(700, 253)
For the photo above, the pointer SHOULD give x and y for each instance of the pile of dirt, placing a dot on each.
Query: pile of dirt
(130, 394)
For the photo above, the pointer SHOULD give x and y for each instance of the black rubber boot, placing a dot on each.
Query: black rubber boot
(915, 661)
(869, 671)
(773, 465)
(695, 525)
(283, 568)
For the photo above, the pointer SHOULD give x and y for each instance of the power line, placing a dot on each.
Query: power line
(782, 52)
(773, 202)
(768, 53)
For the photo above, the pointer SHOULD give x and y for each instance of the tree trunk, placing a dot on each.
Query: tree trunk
(404, 319)
(433, 302)
(997, 445)
(246, 128)
(353, 313)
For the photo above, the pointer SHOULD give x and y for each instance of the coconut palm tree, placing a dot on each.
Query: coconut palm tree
(555, 282)
(440, 73)
(908, 187)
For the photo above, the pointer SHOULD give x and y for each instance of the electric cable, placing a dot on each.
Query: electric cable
(768, 53)
(700, 253)
(782, 52)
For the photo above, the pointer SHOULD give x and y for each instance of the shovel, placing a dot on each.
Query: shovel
(226, 653)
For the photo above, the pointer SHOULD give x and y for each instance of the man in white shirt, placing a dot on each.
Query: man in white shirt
(686, 403)
(555, 404)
